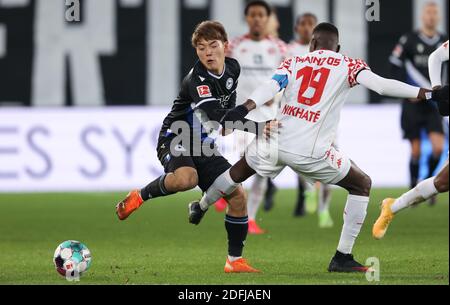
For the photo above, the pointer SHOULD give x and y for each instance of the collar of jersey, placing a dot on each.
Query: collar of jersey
(429, 40)
(216, 76)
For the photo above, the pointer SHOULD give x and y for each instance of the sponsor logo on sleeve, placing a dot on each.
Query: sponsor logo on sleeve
(204, 91)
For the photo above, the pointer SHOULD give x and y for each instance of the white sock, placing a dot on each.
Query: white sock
(222, 187)
(256, 195)
(422, 192)
(324, 201)
(354, 214)
(234, 258)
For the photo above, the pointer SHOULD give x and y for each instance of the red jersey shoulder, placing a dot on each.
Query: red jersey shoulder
(286, 65)
(281, 46)
(235, 42)
(354, 67)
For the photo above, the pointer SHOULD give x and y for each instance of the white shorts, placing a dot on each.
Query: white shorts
(269, 161)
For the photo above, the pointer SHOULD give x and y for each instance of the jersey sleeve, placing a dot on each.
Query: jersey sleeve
(283, 74)
(355, 66)
(398, 55)
(435, 64)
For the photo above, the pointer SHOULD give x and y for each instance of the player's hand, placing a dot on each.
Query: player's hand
(440, 94)
(271, 128)
(414, 100)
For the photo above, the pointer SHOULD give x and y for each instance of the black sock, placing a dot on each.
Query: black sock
(414, 172)
(301, 192)
(237, 228)
(433, 162)
(155, 189)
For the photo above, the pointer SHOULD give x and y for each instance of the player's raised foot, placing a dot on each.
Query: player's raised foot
(311, 201)
(325, 220)
(386, 216)
(220, 205)
(195, 212)
(239, 266)
(130, 204)
(345, 263)
(254, 229)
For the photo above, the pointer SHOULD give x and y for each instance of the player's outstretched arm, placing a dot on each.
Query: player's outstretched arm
(390, 87)
(259, 97)
(435, 65)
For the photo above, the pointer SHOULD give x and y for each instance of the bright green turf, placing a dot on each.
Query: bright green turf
(158, 246)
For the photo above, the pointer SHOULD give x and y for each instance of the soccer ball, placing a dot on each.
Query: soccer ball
(72, 258)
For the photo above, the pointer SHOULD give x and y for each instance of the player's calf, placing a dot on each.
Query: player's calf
(237, 203)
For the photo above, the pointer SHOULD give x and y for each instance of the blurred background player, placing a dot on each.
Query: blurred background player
(409, 62)
(259, 54)
(317, 195)
(429, 187)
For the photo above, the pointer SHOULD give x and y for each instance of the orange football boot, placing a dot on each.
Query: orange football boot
(254, 229)
(130, 204)
(220, 205)
(239, 266)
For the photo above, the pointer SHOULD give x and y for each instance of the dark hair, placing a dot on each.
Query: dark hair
(306, 15)
(258, 3)
(326, 27)
(209, 30)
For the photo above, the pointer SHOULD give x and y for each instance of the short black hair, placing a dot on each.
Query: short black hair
(259, 3)
(306, 15)
(326, 27)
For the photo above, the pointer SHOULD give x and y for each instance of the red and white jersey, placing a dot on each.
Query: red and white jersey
(316, 87)
(295, 48)
(258, 60)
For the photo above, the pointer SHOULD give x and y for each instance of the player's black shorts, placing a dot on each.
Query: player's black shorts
(208, 168)
(418, 116)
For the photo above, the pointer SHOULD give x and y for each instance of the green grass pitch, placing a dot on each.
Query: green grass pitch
(157, 245)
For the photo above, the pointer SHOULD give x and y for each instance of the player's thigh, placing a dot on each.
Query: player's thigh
(209, 168)
(181, 167)
(264, 159)
(411, 121)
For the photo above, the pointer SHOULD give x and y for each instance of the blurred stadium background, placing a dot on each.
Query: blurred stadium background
(59, 80)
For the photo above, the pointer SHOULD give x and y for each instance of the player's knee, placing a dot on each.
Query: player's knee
(365, 185)
(186, 182)
(441, 184)
(238, 202)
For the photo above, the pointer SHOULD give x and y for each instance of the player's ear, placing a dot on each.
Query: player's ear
(313, 44)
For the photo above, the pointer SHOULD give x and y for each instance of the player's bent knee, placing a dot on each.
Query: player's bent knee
(441, 184)
(364, 186)
(238, 201)
(186, 182)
